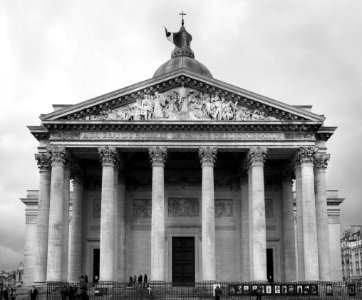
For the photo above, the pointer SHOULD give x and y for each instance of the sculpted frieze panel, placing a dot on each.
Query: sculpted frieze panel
(142, 208)
(223, 208)
(183, 104)
(183, 207)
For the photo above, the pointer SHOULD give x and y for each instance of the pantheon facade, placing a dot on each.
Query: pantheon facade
(185, 178)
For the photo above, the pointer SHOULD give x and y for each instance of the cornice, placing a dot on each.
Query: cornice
(190, 80)
(39, 132)
(324, 133)
(52, 126)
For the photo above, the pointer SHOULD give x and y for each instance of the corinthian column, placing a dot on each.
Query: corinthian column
(208, 157)
(288, 228)
(41, 251)
(257, 227)
(320, 166)
(107, 235)
(56, 215)
(305, 158)
(245, 259)
(76, 226)
(158, 157)
(65, 246)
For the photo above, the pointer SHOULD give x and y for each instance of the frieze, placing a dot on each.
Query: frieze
(171, 136)
(223, 208)
(183, 104)
(183, 207)
(142, 208)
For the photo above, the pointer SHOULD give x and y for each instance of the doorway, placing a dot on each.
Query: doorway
(95, 265)
(269, 265)
(183, 261)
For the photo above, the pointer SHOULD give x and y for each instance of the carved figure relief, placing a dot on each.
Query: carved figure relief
(183, 207)
(183, 104)
(223, 208)
(142, 208)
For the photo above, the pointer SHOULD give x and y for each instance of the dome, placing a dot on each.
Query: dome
(183, 62)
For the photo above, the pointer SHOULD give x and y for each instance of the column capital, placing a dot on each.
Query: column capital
(58, 155)
(207, 155)
(108, 155)
(256, 155)
(305, 155)
(158, 155)
(321, 161)
(43, 161)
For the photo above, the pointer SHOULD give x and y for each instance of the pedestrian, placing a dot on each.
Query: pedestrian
(6, 294)
(81, 293)
(72, 291)
(145, 279)
(217, 292)
(140, 280)
(130, 281)
(134, 280)
(33, 293)
(258, 293)
(86, 278)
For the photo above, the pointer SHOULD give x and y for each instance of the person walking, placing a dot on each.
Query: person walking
(81, 293)
(258, 293)
(33, 293)
(6, 294)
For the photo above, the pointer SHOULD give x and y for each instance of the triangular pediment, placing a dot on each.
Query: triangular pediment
(182, 96)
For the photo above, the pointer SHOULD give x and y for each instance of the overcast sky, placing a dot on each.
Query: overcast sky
(55, 52)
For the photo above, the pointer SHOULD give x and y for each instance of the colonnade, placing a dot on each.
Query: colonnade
(53, 233)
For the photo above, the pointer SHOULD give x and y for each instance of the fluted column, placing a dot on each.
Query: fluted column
(66, 223)
(107, 236)
(305, 158)
(320, 166)
(56, 215)
(76, 227)
(299, 226)
(288, 228)
(257, 229)
(41, 251)
(121, 227)
(158, 158)
(208, 157)
(244, 230)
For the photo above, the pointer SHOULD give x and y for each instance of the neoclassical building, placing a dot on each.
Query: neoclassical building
(185, 178)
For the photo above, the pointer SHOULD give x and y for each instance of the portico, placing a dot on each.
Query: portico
(182, 176)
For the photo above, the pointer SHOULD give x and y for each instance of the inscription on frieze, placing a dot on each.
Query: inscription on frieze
(223, 208)
(171, 136)
(142, 208)
(183, 207)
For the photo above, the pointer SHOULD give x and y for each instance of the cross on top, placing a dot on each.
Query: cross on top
(182, 14)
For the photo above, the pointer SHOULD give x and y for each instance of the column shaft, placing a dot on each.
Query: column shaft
(322, 217)
(65, 246)
(310, 242)
(76, 227)
(300, 245)
(107, 235)
(245, 263)
(257, 214)
(42, 229)
(158, 156)
(288, 230)
(208, 156)
(121, 225)
(56, 216)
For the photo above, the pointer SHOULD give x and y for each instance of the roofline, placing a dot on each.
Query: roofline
(207, 80)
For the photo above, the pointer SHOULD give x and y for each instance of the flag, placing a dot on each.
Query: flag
(174, 37)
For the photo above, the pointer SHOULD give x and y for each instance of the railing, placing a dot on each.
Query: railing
(206, 290)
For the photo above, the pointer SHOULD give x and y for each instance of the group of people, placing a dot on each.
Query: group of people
(141, 281)
(9, 293)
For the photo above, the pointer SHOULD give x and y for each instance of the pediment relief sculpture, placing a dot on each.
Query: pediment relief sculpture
(183, 104)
